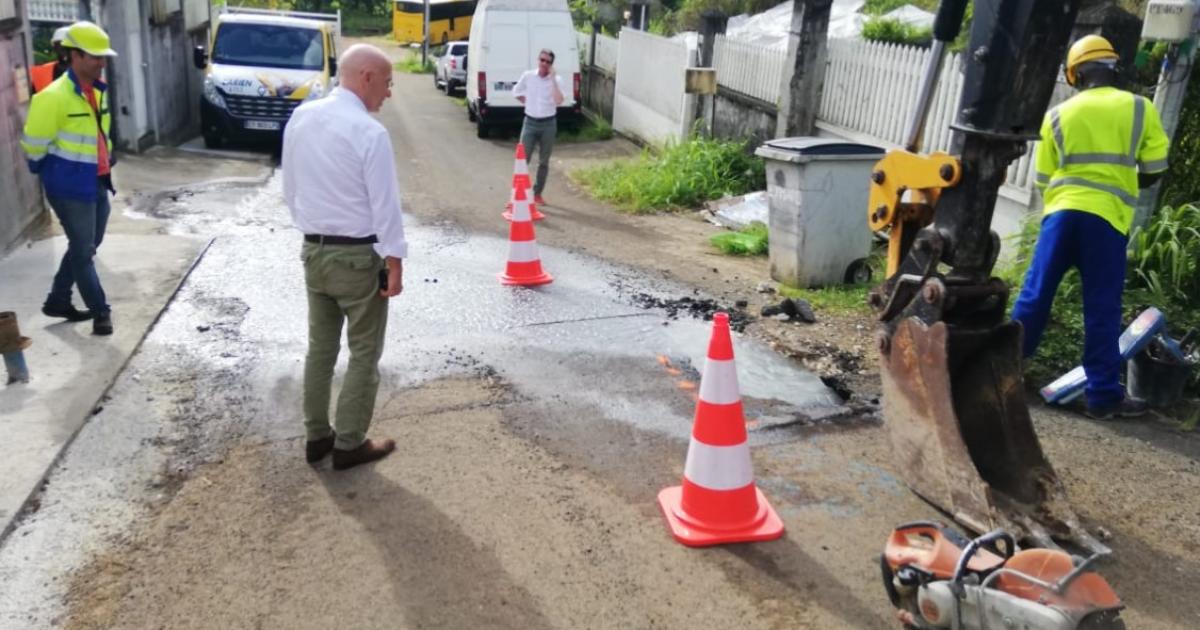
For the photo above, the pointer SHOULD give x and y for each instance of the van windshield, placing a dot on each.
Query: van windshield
(269, 45)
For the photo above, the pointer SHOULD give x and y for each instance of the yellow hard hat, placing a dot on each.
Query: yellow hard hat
(1088, 48)
(89, 38)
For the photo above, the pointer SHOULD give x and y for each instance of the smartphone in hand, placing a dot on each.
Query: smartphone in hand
(383, 279)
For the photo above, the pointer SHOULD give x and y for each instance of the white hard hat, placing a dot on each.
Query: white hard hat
(59, 34)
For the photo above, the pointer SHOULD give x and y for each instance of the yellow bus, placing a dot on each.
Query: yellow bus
(449, 20)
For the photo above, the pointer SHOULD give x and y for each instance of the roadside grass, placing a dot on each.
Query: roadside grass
(461, 101)
(751, 240)
(591, 130)
(845, 299)
(676, 176)
(841, 300)
(411, 64)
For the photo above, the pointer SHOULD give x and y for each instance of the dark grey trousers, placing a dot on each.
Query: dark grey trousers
(539, 135)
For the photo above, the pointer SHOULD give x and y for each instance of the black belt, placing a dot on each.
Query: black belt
(340, 240)
(539, 119)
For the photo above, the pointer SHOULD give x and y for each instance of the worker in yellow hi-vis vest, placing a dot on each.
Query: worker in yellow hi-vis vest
(66, 142)
(1097, 150)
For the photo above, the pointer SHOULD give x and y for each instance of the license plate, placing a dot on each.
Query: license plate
(264, 125)
(501, 86)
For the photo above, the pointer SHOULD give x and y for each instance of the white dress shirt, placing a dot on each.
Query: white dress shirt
(539, 93)
(339, 176)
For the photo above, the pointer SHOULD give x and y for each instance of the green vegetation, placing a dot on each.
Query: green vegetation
(892, 31)
(748, 241)
(359, 17)
(879, 7)
(591, 129)
(412, 64)
(842, 300)
(846, 299)
(676, 176)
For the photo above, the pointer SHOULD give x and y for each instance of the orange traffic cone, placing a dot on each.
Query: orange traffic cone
(718, 502)
(524, 266)
(521, 180)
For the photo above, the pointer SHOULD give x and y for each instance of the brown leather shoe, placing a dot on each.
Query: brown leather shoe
(366, 452)
(316, 450)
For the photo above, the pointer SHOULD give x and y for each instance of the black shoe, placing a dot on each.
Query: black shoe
(1128, 408)
(316, 450)
(69, 313)
(368, 451)
(102, 325)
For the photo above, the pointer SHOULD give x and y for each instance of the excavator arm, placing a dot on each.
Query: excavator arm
(953, 394)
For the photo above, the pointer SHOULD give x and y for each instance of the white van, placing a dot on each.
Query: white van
(506, 36)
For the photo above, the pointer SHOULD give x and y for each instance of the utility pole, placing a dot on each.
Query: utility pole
(1168, 100)
(712, 23)
(804, 79)
(425, 39)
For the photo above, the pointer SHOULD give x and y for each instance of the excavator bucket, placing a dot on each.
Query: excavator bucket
(954, 404)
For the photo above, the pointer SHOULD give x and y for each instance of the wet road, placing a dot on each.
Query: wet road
(222, 368)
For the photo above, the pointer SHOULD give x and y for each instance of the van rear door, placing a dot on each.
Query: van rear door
(554, 30)
(507, 55)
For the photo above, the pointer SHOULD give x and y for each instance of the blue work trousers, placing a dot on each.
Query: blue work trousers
(1093, 246)
(84, 223)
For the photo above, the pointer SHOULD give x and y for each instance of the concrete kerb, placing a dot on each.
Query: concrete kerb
(13, 519)
(143, 265)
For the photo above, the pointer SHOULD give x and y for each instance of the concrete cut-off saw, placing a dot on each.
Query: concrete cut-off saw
(937, 578)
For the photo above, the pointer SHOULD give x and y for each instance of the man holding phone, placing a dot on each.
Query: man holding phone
(346, 200)
(541, 92)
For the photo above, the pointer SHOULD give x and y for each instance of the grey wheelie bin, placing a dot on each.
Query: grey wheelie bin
(817, 192)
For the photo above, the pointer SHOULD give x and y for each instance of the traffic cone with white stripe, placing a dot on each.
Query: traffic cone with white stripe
(718, 502)
(524, 266)
(521, 180)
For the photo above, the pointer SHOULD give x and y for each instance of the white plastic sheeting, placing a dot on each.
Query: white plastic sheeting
(770, 28)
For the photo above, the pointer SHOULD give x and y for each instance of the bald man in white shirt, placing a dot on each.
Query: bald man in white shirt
(339, 181)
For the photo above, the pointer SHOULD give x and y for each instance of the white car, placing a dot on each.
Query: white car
(450, 72)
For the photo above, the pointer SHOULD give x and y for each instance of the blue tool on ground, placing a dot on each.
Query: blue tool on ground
(1069, 386)
(12, 346)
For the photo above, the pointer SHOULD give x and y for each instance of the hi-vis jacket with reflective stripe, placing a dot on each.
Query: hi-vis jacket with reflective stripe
(1092, 147)
(1091, 150)
(60, 138)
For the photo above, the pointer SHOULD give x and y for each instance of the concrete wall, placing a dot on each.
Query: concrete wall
(174, 83)
(598, 91)
(739, 116)
(156, 89)
(21, 200)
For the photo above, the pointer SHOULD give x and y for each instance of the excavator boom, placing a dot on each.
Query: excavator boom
(953, 394)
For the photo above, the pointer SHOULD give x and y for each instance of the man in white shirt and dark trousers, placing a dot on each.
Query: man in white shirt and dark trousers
(339, 181)
(541, 92)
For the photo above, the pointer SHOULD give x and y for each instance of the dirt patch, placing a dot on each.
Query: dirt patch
(489, 515)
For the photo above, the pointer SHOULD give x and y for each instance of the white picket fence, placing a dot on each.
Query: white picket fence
(869, 94)
(751, 69)
(607, 49)
(871, 90)
(64, 11)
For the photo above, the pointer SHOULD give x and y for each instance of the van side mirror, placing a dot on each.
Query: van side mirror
(199, 57)
(333, 66)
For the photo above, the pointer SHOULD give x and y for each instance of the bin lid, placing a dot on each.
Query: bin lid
(809, 148)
